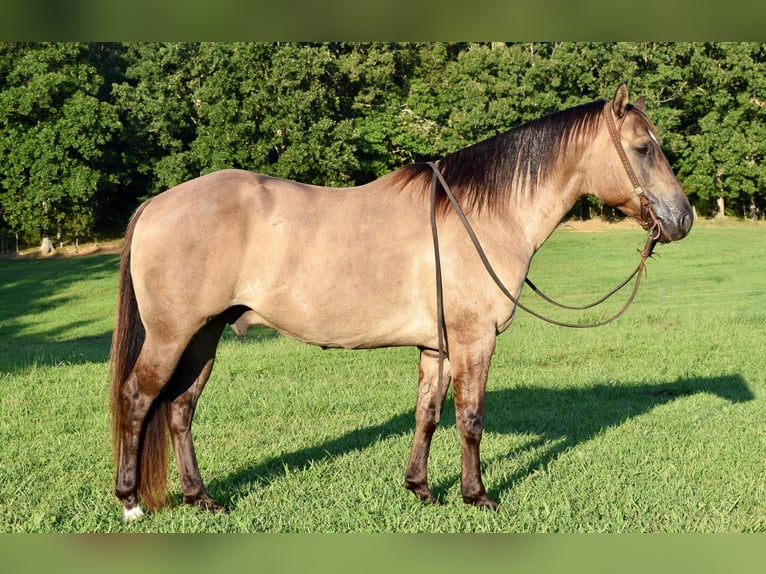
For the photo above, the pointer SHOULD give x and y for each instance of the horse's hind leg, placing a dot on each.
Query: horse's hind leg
(137, 395)
(185, 388)
(429, 406)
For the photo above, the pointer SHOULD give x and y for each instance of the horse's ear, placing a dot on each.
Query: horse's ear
(620, 101)
(640, 104)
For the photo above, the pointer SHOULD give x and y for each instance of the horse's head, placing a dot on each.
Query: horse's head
(637, 167)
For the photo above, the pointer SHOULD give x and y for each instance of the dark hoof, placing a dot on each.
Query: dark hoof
(207, 504)
(482, 501)
(422, 493)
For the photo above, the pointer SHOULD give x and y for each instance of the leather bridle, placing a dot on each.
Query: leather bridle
(648, 221)
(648, 217)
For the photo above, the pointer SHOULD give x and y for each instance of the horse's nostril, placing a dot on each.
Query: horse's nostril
(686, 223)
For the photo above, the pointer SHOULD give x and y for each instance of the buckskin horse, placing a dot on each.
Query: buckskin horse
(357, 268)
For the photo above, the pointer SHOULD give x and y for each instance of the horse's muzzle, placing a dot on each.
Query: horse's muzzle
(667, 221)
(675, 227)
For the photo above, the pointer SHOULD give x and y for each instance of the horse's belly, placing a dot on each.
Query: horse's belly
(361, 323)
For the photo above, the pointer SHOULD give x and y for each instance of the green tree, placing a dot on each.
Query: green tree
(274, 108)
(311, 139)
(722, 154)
(373, 82)
(53, 129)
(158, 111)
(86, 130)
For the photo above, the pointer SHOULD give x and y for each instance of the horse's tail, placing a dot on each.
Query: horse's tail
(127, 341)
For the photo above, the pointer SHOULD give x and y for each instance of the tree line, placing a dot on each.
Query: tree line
(88, 130)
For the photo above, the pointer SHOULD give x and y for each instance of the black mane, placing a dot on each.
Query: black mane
(487, 174)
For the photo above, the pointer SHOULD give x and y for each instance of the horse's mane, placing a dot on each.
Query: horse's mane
(488, 174)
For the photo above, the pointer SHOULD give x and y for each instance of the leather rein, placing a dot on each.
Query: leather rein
(648, 221)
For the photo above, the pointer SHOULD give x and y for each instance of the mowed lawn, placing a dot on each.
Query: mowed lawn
(656, 423)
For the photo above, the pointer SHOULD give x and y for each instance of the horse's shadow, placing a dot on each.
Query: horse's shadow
(562, 417)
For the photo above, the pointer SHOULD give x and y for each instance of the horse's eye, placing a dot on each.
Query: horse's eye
(644, 149)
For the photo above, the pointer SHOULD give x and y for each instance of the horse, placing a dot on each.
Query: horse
(355, 268)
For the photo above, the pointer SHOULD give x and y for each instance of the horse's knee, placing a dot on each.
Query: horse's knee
(470, 422)
(428, 415)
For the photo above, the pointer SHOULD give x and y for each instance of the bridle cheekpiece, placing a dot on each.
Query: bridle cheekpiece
(648, 218)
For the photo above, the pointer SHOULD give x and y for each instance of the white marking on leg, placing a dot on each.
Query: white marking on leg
(132, 514)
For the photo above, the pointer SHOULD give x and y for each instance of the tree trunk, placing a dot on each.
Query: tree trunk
(721, 212)
(46, 248)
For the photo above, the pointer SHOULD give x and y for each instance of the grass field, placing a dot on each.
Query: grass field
(652, 424)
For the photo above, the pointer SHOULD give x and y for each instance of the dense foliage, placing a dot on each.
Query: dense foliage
(88, 130)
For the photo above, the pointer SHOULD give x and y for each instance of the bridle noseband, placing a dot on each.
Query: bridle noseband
(648, 221)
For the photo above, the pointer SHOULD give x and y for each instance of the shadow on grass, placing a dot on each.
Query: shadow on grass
(568, 417)
(39, 310)
(569, 414)
(32, 288)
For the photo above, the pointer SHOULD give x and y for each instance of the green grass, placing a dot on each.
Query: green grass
(652, 424)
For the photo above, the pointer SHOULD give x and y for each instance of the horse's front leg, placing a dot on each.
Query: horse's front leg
(470, 366)
(429, 406)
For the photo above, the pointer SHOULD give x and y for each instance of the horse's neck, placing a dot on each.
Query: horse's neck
(546, 207)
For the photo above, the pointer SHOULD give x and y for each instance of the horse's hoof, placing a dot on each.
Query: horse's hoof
(207, 504)
(482, 501)
(131, 514)
(422, 493)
